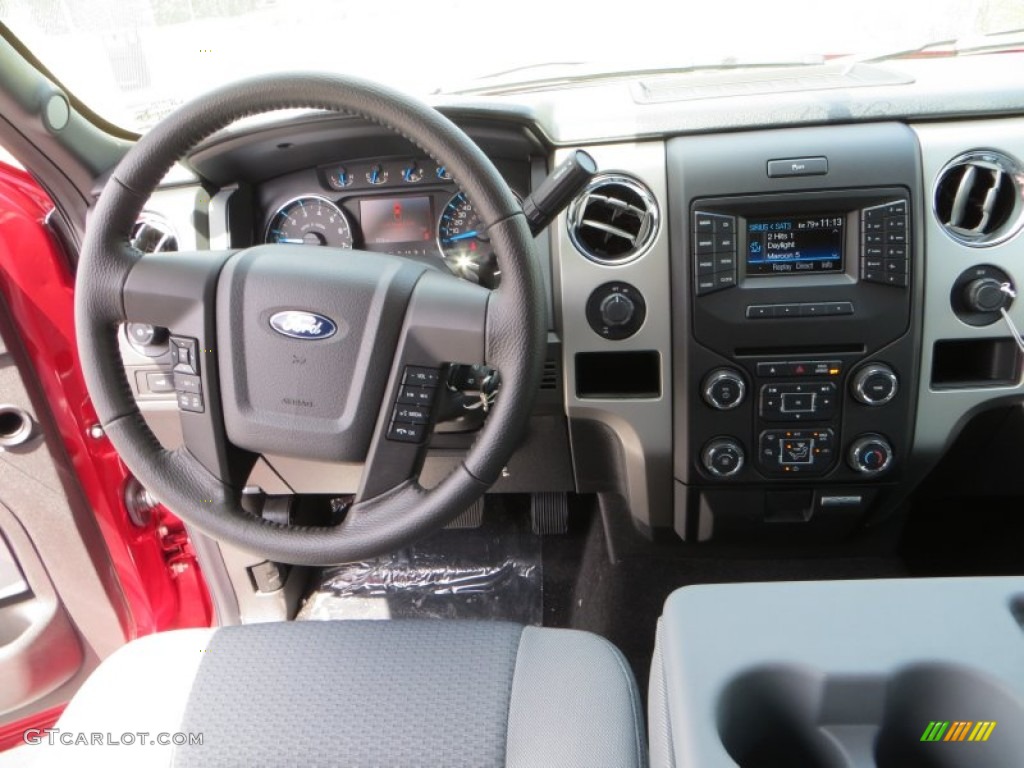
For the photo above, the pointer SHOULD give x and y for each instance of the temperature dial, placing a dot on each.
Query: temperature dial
(870, 454)
(377, 174)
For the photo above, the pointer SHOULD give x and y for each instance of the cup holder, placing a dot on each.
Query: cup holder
(785, 715)
(767, 718)
(928, 693)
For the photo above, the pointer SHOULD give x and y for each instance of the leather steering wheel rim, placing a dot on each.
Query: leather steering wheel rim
(514, 334)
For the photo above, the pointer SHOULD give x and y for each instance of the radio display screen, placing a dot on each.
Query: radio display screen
(794, 245)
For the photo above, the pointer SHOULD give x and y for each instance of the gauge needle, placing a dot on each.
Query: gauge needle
(295, 240)
(464, 236)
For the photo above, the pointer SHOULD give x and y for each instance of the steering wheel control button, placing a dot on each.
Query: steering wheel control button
(616, 310)
(796, 451)
(410, 418)
(186, 382)
(870, 454)
(185, 354)
(407, 433)
(885, 244)
(723, 457)
(156, 382)
(416, 395)
(411, 414)
(714, 252)
(724, 389)
(190, 402)
(814, 401)
(874, 384)
(420, 377)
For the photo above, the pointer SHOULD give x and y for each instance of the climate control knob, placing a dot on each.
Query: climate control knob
(870, 454)
(724, 389)
(875, 384)
(722, 457)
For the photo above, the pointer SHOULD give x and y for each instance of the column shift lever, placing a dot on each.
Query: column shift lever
(558, 190)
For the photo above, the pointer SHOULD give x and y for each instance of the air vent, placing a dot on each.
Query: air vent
(152, 233)
(549, 379)
(978, 198)
(614, 220)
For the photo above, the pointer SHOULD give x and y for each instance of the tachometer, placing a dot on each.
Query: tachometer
(310, 220)
(464, 245)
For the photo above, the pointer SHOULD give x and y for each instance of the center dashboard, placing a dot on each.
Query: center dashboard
(740, 346)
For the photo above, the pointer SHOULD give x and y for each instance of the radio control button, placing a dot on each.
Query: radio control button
(812, 310)
(786, 310)
(874, 384)
(839, 308)
(724, 389)
(725, 280)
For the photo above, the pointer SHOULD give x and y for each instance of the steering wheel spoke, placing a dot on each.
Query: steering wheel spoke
(177, 291)
(446, 322)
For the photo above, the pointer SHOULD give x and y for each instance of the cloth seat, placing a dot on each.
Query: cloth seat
(392, 694)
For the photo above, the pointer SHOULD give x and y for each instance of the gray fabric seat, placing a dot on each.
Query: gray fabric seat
(359, 693)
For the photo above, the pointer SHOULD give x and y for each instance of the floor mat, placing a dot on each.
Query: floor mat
(492, 572)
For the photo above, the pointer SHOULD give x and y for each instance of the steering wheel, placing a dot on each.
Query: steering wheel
(308, 352)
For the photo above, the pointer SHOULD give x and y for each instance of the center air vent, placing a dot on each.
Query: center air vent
(152, 233)
(614, 220)
(978, 198)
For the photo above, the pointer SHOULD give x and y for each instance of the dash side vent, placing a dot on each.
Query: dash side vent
(614, 220)
(153, 233)
(979, 198)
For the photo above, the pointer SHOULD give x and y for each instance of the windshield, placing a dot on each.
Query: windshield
(132, 61)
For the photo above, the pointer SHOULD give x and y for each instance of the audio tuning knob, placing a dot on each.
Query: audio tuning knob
(874, 384)
(724, 389)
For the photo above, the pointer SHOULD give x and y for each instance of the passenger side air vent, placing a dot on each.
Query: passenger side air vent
(978, 198)
(614, 220)
(152, 233)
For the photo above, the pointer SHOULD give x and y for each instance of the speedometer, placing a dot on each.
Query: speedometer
(464, 245)
(310, 220)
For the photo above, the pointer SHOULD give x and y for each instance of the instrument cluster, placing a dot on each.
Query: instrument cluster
(404, 206)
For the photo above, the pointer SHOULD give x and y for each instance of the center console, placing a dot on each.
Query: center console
(842, 674)
(795, 267)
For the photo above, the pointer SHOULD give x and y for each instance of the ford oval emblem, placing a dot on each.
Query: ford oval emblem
(308, 326)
